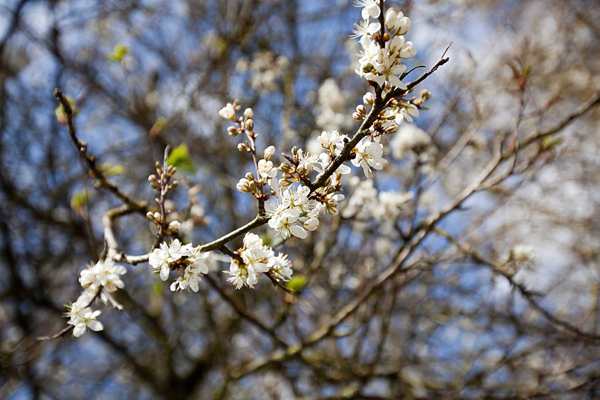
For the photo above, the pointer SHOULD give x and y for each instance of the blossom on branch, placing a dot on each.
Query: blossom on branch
(227, 112)
(186, 259)
(379, 62)
(82, 317)
(369, 155)
(256, 258)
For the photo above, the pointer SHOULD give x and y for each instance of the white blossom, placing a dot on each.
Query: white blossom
(364, 29)
(364, 194)
(188, 259)
(266, 169)
(332, 141)
(81, 316)
(370, 8)
(389, 205)
(282, 267)
(227, 112)
(257, 258)
(396, 22)
(103, 274)
(379, 64)
(369, 155)
(409, 138)
(405, 113)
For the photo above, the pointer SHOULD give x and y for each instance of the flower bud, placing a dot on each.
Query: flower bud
(248, 113)
(285, 167)
(369, 98)
(357, 116)
(250, 124)
(249, 176)
(391, 129)
(157, 216)
(269, 152)
(174, 226)
(425, 94)
(361, 109)
(242, 147)
(232, 130)
(150, 216)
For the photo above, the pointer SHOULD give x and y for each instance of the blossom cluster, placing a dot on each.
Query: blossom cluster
(191, 264)
(383, 63)
(264, 69)
(255, 258)
(296, 204)
(98, 281)
(367, 202)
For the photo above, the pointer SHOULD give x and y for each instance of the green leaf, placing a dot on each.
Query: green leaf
(180, 159)
(297, 283)
(79, 199)
(118, 53)
(110, 170)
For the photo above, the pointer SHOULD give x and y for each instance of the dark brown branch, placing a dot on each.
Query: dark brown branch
(91, 161)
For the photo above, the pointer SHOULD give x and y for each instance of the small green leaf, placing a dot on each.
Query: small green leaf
(118, 53)
(180, 159)
(78, 200)
(158, 126)
(110, 170)
(297, 283)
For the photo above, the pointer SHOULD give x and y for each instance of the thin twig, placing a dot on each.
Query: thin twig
(527, 294)
(91, 161)
(164, 189)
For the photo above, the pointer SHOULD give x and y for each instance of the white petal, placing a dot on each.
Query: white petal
(298, 231)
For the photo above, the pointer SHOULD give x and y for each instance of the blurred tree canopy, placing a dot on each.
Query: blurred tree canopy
(434, 298)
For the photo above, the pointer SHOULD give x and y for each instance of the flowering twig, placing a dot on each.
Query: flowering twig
(69, 327)
(163, 186)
